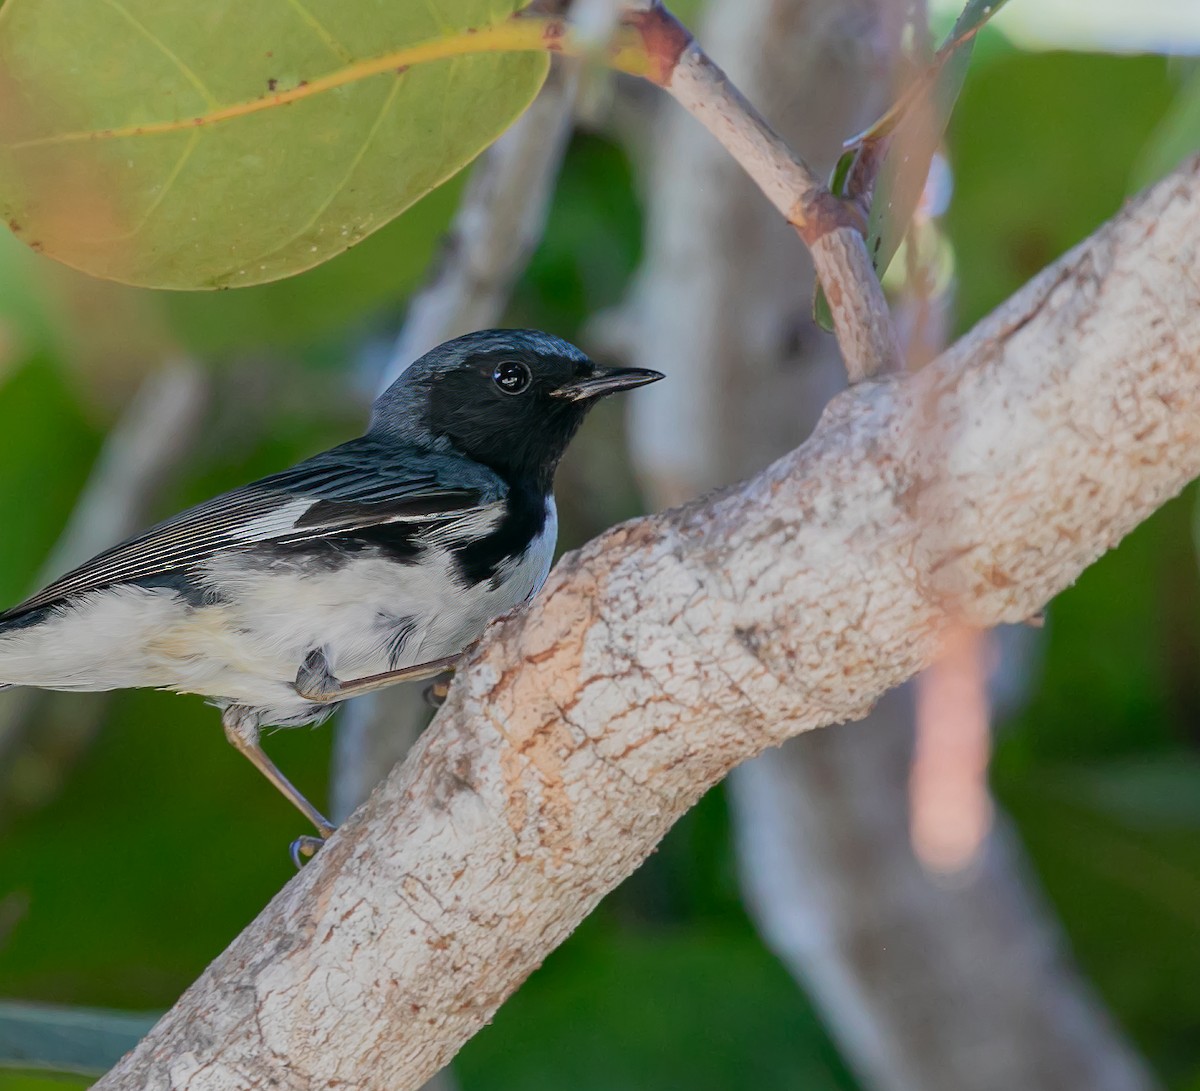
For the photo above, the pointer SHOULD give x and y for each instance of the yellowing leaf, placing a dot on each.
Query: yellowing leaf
(185, 144)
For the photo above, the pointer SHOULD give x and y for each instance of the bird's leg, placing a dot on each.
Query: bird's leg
(315, 682)
(242, 729)
(302, 848)
(438, 690)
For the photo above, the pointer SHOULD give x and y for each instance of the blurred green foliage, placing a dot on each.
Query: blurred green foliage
(1043, 148)
(26, 1080)
(1176, 136)
(46, 450)
(681, 1007)
(119, 889)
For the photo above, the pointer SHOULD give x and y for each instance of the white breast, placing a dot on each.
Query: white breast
(371, 615)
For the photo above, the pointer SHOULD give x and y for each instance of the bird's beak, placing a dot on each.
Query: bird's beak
(606, 380)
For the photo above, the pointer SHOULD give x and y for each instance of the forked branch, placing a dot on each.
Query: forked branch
(650, 42)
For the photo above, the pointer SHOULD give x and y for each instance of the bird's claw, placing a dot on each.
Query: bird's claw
(303, 848)
(436, 692)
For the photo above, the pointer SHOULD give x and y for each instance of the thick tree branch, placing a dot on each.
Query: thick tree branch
(672, 648)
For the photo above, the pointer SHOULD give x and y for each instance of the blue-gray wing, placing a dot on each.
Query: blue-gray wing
(350, 497)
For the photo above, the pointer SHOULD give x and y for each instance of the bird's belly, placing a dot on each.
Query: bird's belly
(243, 648)
(244, 645)
(517, 579)
(369, 616)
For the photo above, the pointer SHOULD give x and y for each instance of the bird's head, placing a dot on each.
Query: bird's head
(511, 399)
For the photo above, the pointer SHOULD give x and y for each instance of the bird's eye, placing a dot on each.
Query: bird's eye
(512, 377)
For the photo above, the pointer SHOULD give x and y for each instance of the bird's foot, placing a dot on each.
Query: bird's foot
(306, 847)
(437, 691)
(316, 682)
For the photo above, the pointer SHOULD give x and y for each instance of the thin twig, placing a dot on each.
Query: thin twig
(831, 228)
(656, 46)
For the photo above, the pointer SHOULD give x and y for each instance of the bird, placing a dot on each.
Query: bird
(375, 562)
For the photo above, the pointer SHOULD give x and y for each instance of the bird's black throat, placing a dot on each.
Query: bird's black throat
(524, 518)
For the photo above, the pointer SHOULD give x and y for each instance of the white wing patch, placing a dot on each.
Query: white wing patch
(471, 524)
(273, 523)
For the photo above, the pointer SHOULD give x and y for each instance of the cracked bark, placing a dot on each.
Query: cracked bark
(924, 986)
(672, 648)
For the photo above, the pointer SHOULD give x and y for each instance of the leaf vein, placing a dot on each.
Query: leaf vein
(166, 51)
(511, 36)
(176, 170)
(436, 17)
(335, 47)
(367, 141)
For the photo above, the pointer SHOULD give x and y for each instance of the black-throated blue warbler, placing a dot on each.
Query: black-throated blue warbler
(375, 562)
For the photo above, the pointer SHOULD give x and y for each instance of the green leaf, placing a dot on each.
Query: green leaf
(906, 164)
(84, 1040)
(918, 131)
(975, 14)
(841, 172)
(822, 312)
(180, 145)
(914, 128)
